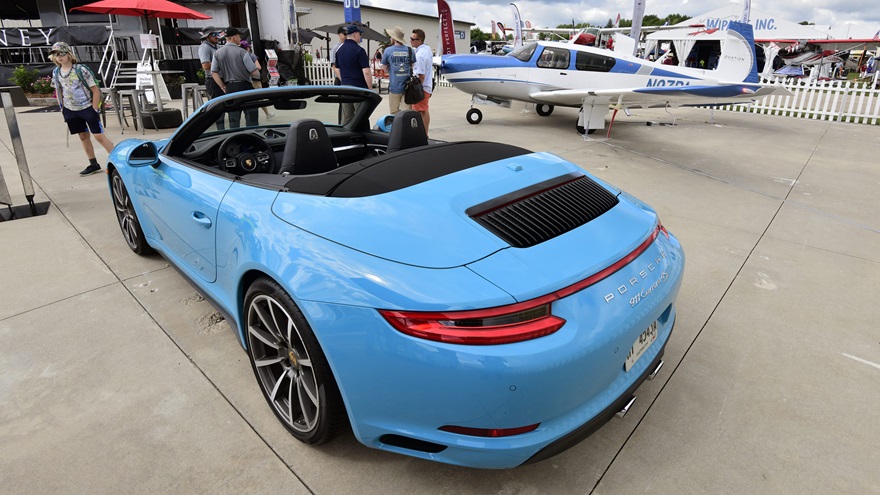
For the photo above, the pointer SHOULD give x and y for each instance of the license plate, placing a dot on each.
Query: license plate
(641, 345)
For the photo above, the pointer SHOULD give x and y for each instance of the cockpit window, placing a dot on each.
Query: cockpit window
(524, 52)
(594, 63)
(554, 58)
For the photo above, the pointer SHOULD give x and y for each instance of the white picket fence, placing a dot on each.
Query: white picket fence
(835, 100)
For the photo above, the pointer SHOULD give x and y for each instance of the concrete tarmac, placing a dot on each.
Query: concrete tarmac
(117, 377)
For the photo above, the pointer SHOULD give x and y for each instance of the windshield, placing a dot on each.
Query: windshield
(269, 113)
(341, 107)
(524, 52)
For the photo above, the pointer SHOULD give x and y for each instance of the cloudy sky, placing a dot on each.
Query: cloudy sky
(861, 18)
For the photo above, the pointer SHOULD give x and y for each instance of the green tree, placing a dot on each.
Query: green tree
(651, 20)
(579, 25)
(676, 18)
(477, 34)
(807, 23)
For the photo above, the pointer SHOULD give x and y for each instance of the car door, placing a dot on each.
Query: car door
(182, 201)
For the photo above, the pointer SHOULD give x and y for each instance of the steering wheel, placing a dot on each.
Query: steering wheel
(246, 153)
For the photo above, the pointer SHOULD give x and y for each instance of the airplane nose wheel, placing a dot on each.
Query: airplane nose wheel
(474, 116)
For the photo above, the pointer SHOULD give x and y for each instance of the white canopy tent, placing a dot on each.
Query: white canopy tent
(682, 39)
(767, 27)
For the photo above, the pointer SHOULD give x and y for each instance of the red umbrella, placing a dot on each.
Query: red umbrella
(143, 8)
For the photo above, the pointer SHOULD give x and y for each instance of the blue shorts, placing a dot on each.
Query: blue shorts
(83, 120)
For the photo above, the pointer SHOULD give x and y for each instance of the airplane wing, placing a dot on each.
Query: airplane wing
(837, 45)
(648, 29)
(661, 96)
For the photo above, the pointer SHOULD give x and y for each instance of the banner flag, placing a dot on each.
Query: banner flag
(447, 29)
(352, 10)
(517, 27)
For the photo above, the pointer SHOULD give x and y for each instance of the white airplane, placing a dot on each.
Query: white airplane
(817, 51)
(550, 73)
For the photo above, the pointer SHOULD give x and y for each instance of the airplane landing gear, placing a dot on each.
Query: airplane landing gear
(543, 110)
(474, 116)
(581, 130)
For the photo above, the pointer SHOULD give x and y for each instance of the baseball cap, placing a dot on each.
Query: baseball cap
(232, 32)
(340, 30)
(352, 29)
(245, 44)
(60, 47)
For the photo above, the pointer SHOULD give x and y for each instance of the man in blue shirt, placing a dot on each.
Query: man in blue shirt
(398, 61)
(354, 67)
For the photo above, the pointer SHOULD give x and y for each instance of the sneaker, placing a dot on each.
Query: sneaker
(91, 169)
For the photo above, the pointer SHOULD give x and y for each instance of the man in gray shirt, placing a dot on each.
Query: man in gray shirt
(210, 38)
(340, 32)
(233, 70)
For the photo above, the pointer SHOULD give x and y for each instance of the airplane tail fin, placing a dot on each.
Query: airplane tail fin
(738, 61)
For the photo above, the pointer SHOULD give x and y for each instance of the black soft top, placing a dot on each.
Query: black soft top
(386, 173)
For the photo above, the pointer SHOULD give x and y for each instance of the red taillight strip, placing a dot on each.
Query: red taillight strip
(603, 274)
(490, 432)
(441, 326)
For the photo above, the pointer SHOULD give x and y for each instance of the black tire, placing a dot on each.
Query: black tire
(581, 130)
(128, 220)
(544, 110)
(474, 116)
(290, 366)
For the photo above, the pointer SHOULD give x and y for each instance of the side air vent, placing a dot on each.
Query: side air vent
(540, 213)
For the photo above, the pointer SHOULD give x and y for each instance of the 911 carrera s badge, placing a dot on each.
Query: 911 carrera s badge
(639, 281)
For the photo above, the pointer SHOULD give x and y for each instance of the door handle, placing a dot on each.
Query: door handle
(201, 219)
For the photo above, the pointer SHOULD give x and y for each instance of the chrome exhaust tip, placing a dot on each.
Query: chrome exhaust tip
(656, 370)
(620, 414)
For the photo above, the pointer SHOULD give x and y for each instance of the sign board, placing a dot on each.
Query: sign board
(149, 41)
(147, 76)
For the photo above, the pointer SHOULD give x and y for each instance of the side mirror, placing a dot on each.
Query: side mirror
(143, 154)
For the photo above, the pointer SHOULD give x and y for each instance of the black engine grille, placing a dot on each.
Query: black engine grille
(532, 216)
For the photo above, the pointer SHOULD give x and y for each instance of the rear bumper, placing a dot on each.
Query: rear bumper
(593, 425)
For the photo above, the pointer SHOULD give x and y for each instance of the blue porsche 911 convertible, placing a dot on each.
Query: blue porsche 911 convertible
(472, 303)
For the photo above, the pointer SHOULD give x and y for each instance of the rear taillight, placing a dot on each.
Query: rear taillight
(502, 324)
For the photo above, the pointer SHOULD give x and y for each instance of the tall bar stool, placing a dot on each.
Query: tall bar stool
(143, 106)
(139, 106)
(121, 97)
(195, 92)
(111, 95)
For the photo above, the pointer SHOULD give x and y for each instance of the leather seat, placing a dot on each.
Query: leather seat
(407, 131)
(308, 149)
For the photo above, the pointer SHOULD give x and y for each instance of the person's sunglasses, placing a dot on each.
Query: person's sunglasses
(414, 39)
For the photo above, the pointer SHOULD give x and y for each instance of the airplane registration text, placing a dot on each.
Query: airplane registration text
(652, 83)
